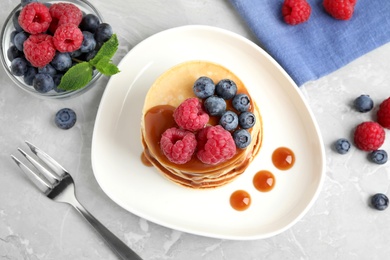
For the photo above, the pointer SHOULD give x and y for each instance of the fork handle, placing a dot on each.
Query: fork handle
(120, 248)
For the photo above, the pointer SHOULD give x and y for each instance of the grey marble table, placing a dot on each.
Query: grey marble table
(340, 225)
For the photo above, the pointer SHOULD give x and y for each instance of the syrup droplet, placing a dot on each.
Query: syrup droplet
(264, 181)
(240, 200)
(283, 158)
(145, 160)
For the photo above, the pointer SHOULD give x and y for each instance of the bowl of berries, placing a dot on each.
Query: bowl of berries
(57, 49)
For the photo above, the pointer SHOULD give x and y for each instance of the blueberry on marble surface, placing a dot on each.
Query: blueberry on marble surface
(342, 146)
(65, 118)
(378, 156)
(379, 201)
(363, 103)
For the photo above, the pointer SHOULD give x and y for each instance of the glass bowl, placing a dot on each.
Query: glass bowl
(8, 27)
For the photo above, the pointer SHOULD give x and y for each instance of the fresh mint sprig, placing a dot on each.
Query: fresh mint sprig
(80, 74)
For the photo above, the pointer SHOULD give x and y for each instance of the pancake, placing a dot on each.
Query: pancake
(168, 92)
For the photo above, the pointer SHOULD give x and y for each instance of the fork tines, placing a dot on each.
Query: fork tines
(45, 178)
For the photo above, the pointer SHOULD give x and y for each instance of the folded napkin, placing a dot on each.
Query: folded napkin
(322, 44)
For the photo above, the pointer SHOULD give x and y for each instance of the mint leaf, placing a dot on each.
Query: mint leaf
(76, 77)
(106, 51)
(106, 67)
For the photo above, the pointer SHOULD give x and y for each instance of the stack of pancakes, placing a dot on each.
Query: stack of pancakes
(167, 93)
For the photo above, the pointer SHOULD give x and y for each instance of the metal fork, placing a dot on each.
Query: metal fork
(57, 184)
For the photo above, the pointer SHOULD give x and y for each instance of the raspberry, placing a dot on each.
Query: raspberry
(190, 115)
(215, 145)
(178, 145)
(295, 11)
(340, 9)
(63, 13)
(68, 38)
(383, 114)
(35, 18)
(39, 49)
(369, 136)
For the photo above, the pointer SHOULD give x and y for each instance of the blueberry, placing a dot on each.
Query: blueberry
(75, 53)
(65, 118)
(12, 36)
(26, 2)
(242, 138)
(30, 75)
(16, 22)
(247, 120)
(241, 102)
(229, 120)
(363, 103)
(226, 89)
(62, 61)
(203, 87)
(90, 55)
(379, 201)
(89, 42)
(19, 66)
(13, 53)
(43, 83)
(215, 106)
(378, 156)
(48, 69)
(19, 39)
(89, 23)
(342, 146)
(103, 32)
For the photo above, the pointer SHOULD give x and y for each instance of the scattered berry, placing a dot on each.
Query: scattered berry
(229, 120)
(64, 13)
(378, 156)
(61, 61)
(43, 83)
(65, 118)
(242, 138)
(19, 66)
(296, 11)
(247, 120)
(215, 145)
(203, 87)
(340, 9)
(39, 49)
(178, 145)
(226, 89)
(189, 115)
(215, 106)
(35, 18)
(67, 38)
(241, 102)
(379, 201)
(369, 136)
(89, 23)
(383, 114)
(363, 103)
(103, 32)
(342, 146)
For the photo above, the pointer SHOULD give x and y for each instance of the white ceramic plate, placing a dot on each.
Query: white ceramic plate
(116, 145)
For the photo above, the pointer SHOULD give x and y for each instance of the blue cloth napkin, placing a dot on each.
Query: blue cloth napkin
(322, 44)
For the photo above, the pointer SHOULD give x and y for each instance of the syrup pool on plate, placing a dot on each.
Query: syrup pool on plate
(283, 158)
